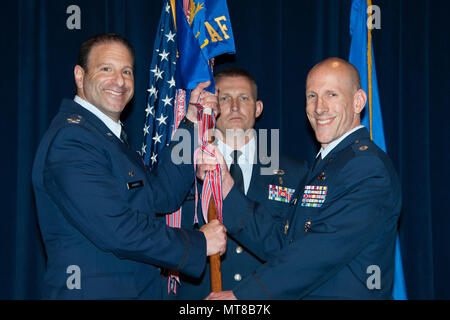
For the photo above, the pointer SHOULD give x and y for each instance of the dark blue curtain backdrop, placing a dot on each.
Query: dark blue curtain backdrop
(278, 41)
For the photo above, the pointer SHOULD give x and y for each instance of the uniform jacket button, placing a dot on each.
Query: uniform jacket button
(237, 277)
(238, 249)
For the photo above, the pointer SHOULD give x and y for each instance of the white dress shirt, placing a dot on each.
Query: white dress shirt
(115, 127)
(323, 152)
(245, 161)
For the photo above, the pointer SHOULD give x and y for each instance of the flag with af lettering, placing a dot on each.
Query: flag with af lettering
(362, 57)
(176, 50)
(205, 34)
(202, 35)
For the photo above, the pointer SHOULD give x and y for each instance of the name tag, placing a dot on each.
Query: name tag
(314, 196)
(281, 194)
(135, 184)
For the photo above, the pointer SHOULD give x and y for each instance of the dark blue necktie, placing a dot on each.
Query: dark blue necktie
(236, 171)
(124, 136)
(317, 162)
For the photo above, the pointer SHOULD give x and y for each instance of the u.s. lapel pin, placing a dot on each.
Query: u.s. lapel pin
(286, 227)
(321, 176)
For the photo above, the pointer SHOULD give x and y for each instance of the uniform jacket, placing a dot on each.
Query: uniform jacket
(96, 205)
(237, 262)
(342, 227)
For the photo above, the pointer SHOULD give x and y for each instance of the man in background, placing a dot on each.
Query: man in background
(270, 182)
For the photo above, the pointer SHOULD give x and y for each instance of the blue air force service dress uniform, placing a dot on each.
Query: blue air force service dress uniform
(342, 226)
(273, 191)
(96, 205)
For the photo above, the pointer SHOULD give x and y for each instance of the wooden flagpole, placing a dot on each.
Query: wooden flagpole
(214, 261)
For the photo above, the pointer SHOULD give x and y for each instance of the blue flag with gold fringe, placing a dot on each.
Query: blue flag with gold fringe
(180, 58)
(189, 34)
(362, 57)
(205, 35)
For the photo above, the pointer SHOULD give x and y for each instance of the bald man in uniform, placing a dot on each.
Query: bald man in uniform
(339, 239)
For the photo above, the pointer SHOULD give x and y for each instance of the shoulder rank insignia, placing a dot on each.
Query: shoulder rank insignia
(281, 194)
(75, 118)
(314, 196)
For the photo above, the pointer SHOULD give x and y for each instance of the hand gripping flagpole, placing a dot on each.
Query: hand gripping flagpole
(212, 189)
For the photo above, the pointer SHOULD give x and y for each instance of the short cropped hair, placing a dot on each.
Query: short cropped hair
(238, 72)
(86, 47)
(353, 71)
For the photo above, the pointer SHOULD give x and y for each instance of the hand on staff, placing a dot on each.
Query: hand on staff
(203, 98)
(216, 237)
(208, 163)
(222, 295)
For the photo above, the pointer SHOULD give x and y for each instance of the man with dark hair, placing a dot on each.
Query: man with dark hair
(339, 240)
(97, 202)
(269, 182)
(102, 38)
(235, 72)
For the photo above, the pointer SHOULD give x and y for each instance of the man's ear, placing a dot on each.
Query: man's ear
(79, 76)
(359, 101)
(259, 108)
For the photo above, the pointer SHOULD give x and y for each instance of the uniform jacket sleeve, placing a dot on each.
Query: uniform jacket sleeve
(368, 203)
(252, 223)
(80, 180)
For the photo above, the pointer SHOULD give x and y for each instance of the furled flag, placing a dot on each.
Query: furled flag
(180, 62)
(204, 32)
(166, 105)
(204, 36)
(361, 56)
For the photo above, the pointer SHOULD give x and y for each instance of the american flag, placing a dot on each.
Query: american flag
(165, 105)
(162, 93)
